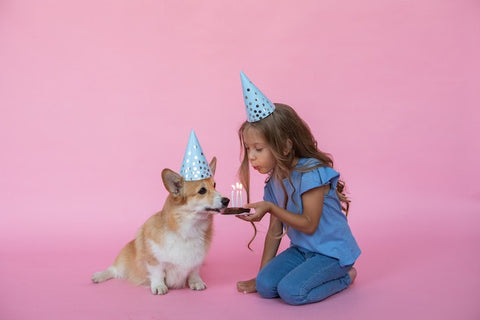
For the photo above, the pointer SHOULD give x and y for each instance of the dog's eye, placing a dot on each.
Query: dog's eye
(202, 191)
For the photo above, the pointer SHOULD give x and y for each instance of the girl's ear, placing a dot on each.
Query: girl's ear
(288, 147)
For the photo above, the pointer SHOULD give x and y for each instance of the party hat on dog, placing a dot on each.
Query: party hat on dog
(195, 166)
(257, 104)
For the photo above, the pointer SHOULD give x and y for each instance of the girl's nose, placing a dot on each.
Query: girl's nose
(251, 155)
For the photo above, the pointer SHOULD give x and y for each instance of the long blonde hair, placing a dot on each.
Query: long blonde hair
(281, 126)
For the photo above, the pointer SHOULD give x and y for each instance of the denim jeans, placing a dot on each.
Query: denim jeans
(299, 276)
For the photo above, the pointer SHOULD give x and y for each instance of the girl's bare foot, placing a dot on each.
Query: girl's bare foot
(353, 274)
(246, 286)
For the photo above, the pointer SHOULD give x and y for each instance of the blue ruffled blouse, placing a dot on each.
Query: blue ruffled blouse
(333, 236)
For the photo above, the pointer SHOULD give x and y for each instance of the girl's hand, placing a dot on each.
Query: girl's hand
(261, 208)
(247, 286)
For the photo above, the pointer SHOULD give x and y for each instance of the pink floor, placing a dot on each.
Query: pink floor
(411, 268)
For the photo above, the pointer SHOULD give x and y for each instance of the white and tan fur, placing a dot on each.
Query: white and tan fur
(170, 247)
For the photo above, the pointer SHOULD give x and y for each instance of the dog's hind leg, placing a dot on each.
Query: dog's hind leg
(105, 275)
(119, 268)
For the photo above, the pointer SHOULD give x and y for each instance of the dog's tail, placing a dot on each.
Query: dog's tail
(105, 275)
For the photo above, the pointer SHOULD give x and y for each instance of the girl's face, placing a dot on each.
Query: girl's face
(258, 151)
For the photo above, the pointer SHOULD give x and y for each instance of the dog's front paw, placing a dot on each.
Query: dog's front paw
(197, 285)
(159, 289)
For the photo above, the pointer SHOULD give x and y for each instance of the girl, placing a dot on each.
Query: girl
(303, 195)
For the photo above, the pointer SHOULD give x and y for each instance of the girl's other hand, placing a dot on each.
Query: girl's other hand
(247, 286)
(261, 208)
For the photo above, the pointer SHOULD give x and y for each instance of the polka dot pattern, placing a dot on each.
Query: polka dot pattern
(195, 166)
(258, 106)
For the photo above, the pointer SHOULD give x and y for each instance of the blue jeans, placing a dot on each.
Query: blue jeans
(299, 276)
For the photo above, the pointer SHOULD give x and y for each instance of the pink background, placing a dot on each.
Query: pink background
(97, 97)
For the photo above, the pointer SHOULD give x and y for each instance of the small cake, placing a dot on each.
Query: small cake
(235, 210)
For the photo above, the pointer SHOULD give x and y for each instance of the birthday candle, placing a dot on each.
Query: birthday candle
(241, 195)
(236, 194)
(232, 197)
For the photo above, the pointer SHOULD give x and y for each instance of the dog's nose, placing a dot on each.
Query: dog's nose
(225, 201)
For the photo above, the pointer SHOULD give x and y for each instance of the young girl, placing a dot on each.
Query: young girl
(303, 195)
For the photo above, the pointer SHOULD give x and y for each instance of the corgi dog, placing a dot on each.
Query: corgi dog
(170, 247)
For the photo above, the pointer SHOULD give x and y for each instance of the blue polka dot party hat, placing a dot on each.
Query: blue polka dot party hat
(257, 104)
(195, 166)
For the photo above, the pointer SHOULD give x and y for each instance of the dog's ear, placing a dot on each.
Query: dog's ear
(213, 165)
(172, 181)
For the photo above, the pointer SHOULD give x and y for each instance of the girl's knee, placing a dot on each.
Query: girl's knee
(291, 294)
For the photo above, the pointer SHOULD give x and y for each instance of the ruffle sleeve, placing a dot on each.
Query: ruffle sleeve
(319, 177)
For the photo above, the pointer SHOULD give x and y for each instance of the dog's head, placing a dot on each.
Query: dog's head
(195, 196)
